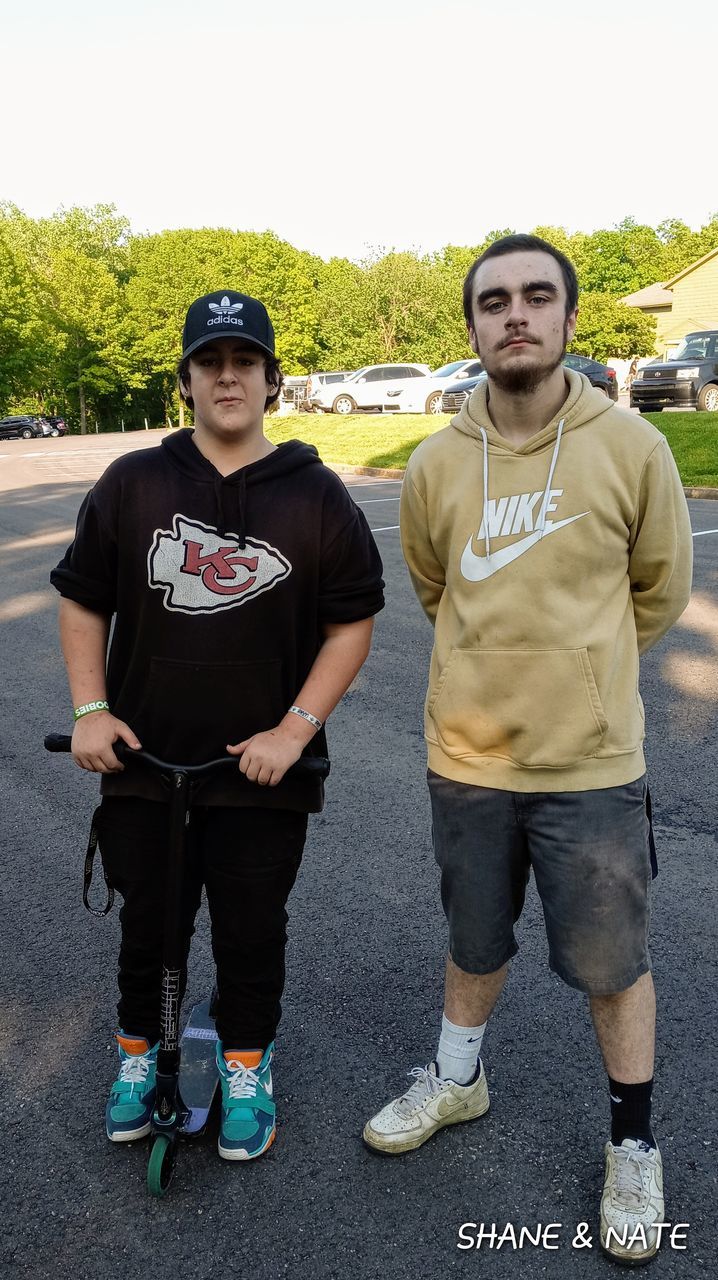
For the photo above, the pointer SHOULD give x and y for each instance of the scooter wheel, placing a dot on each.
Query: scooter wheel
(161, 1167)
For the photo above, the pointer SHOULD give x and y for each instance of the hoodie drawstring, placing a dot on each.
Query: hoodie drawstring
(219, 516)
(487, 539)
(541, 522)
(220, 520)
(547, 491)
(241, 509)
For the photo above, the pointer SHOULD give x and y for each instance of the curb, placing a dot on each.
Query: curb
(386, 473)
(382, 473)
(701, 492)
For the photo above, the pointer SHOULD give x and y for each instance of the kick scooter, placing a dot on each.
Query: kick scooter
(175, 1114)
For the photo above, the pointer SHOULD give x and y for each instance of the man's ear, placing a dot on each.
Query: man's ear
(472, 340)
(184, 385)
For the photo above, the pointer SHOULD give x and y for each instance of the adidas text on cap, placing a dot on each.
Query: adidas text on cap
(226, 314)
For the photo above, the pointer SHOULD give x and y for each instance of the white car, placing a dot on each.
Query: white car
(369, 388)
(425, 396)
(316, 381)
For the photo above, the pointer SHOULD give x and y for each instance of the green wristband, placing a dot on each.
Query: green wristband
(101, 705)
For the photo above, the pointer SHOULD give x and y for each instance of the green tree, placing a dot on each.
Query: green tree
(618, 261)
(681, 246)
(607, 328)
(24, 347)
(75, 262)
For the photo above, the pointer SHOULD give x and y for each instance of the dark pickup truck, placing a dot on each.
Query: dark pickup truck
(689, 380)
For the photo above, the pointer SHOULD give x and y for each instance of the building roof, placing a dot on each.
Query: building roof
(653, 295)
(659, 294)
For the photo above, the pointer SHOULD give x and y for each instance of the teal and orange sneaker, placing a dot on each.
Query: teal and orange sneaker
(132, 1097)
(247, 1128)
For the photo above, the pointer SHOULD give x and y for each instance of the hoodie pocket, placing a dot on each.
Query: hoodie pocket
(537, 708)
(191, 710)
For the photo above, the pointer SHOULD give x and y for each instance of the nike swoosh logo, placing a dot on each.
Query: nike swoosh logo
(477, 568)
(445, 1108)
(615, 1099)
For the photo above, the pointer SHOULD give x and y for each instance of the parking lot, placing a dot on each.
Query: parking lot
(363, 997)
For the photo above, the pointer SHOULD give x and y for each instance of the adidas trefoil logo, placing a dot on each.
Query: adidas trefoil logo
(225, 312)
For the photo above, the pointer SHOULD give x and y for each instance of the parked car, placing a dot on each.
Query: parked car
(53, 426)
(316, 381)
(688, 379)
(457, 392)
(20, 426)
(424, 396)
(599, 375)
(368, 388)
(293, 390)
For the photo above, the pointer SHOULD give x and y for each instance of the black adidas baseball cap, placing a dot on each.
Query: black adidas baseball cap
(227, 314)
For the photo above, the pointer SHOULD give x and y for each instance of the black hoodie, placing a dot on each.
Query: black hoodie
(220, 587)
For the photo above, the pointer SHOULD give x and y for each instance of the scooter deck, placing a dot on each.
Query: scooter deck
(198, 1070)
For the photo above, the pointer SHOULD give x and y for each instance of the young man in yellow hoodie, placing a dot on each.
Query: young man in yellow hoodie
(548, 541)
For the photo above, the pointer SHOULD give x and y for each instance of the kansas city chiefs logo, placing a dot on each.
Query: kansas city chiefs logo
(200, 570)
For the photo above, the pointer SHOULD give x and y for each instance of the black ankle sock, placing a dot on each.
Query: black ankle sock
(631, 1112)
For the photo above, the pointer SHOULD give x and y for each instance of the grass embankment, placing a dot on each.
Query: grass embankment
(693, 438)
(359, 439)
(380, 440)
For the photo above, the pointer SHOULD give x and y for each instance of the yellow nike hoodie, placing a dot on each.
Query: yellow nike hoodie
(546, 569)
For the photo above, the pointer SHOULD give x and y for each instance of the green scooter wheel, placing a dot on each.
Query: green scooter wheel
(161, 1165)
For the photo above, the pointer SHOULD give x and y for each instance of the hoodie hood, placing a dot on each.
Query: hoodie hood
(230, 492)
(584, 404)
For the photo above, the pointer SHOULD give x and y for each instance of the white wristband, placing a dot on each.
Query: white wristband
(306, 715)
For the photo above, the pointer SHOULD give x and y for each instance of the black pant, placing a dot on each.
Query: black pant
(247, 860)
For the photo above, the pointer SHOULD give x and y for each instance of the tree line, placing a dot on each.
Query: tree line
(91, 314)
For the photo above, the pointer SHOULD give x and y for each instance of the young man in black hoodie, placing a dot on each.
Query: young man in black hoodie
(243, 581)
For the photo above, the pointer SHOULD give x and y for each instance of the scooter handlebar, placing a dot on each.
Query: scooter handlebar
(307, 766)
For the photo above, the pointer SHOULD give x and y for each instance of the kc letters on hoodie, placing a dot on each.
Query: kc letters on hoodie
(220, 587)
(545, 569)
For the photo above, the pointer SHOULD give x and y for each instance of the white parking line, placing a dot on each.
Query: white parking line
(385, 528)
(367, 502)
(702, 532)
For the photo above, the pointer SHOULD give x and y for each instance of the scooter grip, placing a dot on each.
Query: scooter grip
(58, 742)
(317, 766)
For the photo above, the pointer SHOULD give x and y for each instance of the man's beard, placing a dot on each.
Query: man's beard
(523, 378)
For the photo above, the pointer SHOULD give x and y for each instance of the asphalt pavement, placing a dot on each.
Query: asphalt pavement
(363, 996)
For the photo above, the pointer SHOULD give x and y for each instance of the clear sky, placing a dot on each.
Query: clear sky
(391, 124)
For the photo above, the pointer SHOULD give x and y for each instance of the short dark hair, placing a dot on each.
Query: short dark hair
(516, 244)
(272, 372)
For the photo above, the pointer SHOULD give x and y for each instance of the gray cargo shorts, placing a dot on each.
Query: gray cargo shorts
(589, 851)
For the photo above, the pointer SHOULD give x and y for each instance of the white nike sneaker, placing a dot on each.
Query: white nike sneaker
(430, 1103)
(632, 1202)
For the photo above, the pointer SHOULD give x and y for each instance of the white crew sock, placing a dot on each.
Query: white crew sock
(459, 1049)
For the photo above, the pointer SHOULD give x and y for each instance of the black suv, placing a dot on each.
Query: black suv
(22, 425)
(687, 380)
